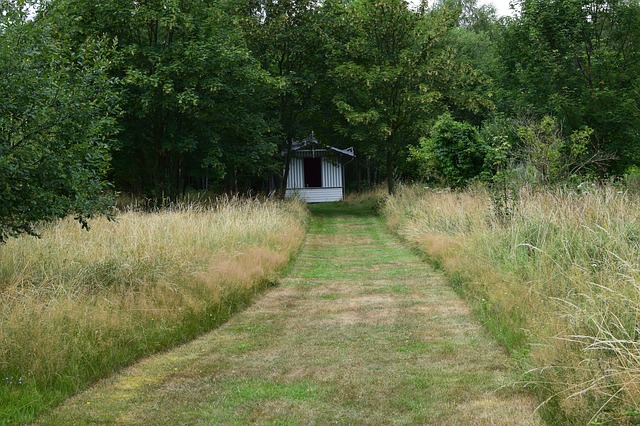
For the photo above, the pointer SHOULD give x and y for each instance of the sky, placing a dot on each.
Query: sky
(502, 6)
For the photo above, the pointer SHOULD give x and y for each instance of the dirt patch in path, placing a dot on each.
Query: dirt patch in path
(361, 332)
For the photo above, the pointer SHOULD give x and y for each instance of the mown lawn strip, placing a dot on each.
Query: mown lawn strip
(361, 332)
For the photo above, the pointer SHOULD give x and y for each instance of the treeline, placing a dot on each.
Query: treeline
(158, 97)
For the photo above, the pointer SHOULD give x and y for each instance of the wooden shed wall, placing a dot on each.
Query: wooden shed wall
(331, 174)
(296, 174)
(332, 182)
(316, 195)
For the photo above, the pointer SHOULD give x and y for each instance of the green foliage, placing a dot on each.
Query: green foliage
(471, 15)
(425, 159)
(396, 73)
(215, 93)
(579, 61)
(57, 115)
(541, 154)
(530, 152)
(193, 93)
(283, 36)
(548, 156)
(503, 180)
(632, 179)
(453, 154)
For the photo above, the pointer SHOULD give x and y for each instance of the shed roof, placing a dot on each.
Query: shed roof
(312, 144)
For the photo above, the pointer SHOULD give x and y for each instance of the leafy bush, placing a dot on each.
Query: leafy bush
(57, 114)
(453, 153)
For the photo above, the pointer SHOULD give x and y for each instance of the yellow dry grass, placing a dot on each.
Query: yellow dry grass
(558, 283)
(361, 332)
(76, 305)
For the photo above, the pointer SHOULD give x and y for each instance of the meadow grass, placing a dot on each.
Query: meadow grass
(360, 332)
(558, 284)
(76, 306)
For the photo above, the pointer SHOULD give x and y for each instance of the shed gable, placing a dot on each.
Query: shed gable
(316, 171)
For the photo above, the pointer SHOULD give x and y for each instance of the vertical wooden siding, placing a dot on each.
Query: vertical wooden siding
(296, 174)
(331, 174)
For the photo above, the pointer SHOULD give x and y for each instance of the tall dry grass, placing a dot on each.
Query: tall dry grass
(76, 305)
(558, 284)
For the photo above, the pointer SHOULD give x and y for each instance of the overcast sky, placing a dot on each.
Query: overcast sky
(502, 6)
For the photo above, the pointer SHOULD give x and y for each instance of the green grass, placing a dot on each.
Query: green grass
(78, 306)
(557, 286)
(360, 332)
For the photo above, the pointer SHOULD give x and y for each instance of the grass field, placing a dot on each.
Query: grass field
(76, 306)
(557, 283)
(360, 332)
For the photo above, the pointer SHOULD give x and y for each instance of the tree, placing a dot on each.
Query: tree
(472, 16)
(283, 37)
(57, 115)
(193, 93)
(396, 75)
(546, 156)
(579, 61)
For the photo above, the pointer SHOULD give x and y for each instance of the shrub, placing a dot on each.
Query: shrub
(453, 153)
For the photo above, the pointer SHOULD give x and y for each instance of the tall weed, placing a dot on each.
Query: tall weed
(77, 305)
(558, 284)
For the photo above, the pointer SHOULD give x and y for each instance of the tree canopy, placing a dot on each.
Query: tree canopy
(57, 117)
(161, 97)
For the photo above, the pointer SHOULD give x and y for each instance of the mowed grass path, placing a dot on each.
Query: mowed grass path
(361, 332)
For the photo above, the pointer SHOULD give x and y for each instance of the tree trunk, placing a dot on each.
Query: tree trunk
(287, 163)
(358, 175)
(390, 183)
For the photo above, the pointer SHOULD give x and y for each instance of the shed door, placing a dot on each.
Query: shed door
(313, 172)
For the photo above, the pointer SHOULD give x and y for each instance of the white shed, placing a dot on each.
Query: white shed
(316, 171)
